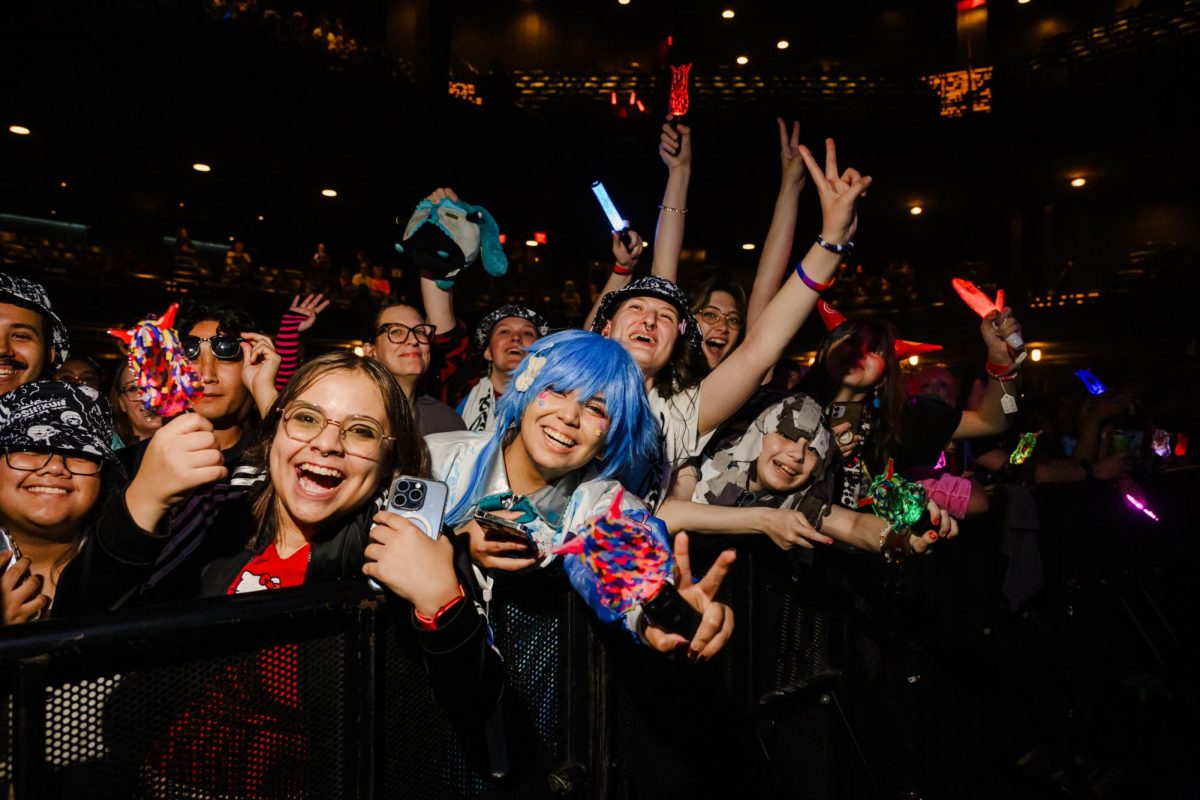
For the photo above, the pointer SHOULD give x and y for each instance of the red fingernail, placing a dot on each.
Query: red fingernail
(693, 654)
(933, 535)
(936, 520)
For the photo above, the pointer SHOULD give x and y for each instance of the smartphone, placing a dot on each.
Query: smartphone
(669, 611)
(9, 552)
(420, 500)
(489, 520)
(845, 412)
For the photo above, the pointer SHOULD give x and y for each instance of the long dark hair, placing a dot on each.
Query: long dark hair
(845, 342)
(406, 453)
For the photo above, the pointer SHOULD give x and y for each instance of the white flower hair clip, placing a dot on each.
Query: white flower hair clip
(530, 373)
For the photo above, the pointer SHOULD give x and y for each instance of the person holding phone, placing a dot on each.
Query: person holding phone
(305, 507)
(573, 426)
(56, 471)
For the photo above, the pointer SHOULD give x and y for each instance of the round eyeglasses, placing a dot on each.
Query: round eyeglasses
(29, 461)
(225, 348)
(361, 436)
(398, 334)
(712, 316)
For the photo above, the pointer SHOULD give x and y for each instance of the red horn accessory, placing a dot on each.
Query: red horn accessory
(829, 315)
(905, 348)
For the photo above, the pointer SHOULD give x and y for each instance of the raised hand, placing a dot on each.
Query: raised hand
(839, 194)
(442, 193)
(627, 256)
(260, 365)
(675, 147)
(995, 328)
(309, 308)
(794, 175)
(716, 623)
(21, 591)
(409, 563)
(182, 456)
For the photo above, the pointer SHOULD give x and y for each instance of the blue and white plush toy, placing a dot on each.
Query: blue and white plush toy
(446, 237)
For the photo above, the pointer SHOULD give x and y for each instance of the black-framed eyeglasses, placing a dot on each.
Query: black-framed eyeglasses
(361, 436)
(712, 316)
(32, 461)
(398, 334)
(226, 348)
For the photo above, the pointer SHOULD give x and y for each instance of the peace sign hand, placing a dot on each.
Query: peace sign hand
(794, 176)
(839, 194)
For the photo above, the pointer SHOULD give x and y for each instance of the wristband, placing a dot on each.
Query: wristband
(1000, 372)
(431, 623)
(809, 282)
(840, 249)
(618, 269)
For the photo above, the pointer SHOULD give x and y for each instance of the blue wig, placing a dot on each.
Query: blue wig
(591, 365)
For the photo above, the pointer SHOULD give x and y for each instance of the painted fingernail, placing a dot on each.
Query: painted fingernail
(701, 659)
(936, 520)
(693, 654)
(933, 535)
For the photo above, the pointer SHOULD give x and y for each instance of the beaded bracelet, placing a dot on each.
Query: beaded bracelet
(809, 282)
(840, 249)
(672, 208)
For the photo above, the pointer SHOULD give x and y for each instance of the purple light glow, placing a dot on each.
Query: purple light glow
(1140, 506)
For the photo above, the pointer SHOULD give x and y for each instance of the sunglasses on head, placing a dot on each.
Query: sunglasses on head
(226, 348)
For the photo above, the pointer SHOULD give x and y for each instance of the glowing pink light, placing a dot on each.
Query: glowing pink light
(1140, 506)
(941, 461)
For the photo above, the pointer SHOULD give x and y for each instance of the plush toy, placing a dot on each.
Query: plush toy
(169, 383)
(446, 237)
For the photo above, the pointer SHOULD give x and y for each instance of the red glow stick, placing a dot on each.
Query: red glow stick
(679, 96)
(984, 306)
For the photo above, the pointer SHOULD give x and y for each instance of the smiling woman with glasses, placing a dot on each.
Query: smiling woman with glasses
(132, 421)
(55, 474)
(304, 508)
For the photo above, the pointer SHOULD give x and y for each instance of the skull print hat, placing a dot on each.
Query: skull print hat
(55, 417)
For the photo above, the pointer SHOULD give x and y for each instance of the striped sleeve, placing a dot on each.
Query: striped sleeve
(287, 344)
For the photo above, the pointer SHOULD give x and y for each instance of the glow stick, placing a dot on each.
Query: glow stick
(1093, 384)
(1140, 506)
(983, 305)
(610, 210)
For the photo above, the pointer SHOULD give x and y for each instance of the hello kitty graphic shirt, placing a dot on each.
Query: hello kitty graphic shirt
(268, 571)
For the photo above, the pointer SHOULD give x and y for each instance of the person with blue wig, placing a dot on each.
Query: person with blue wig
(574, 424)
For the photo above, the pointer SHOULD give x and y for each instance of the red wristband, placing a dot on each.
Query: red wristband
(617, 268)
(1001, 372)
(431, 623)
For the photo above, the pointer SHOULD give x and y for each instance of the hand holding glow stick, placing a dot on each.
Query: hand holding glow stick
(619, 225)
(983, 305)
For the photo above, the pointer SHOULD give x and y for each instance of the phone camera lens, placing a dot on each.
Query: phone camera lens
(416, 495)
(403, 486)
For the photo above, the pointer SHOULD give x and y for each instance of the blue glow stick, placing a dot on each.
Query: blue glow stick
(614, 217)
(1093, 384)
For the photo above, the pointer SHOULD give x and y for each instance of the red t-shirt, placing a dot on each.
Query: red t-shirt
(268, 571)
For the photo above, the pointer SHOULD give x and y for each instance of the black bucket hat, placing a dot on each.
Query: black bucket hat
(483, 331)
(56, 417)
(660, 288)
(27, 294)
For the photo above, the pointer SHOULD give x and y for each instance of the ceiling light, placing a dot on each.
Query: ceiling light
(916, 211)
(62, 184)
(748, 246)
(201, 167)
(1077, 182)
(783, 44)
(19, 130)
(742, 60)
(181, 204)
(1036, 353)
(623, 2)
(1022, 2)
(260, 217)
(727, 13)
(329, 192)
(358, 350)
(530, 243)
(914, 360)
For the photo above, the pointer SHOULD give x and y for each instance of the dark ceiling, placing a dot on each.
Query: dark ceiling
(123, 99)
